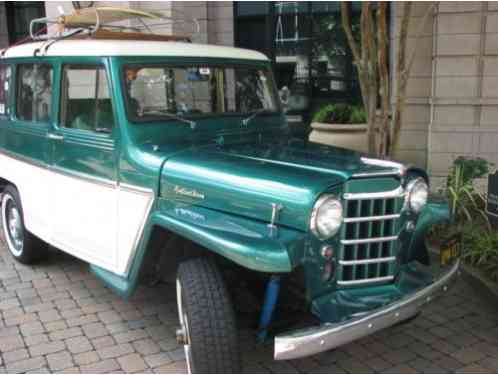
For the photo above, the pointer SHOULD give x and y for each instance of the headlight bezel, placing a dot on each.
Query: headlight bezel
(324, 199)
(410, 187)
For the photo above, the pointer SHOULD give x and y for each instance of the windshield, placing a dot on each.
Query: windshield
(156, 92)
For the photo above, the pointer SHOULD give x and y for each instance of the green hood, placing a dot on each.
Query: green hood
(246, 179)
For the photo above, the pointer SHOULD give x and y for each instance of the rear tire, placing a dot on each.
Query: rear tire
(23, 246)
(207, 319)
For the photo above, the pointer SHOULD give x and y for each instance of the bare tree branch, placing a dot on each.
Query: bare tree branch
(346, 25)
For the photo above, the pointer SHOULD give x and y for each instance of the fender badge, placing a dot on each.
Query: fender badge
(188, 192)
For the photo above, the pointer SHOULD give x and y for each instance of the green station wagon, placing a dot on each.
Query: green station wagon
(147, 157)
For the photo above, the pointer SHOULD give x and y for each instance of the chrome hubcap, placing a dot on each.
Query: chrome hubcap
(15, 227)
(12, 223)
(182, 333)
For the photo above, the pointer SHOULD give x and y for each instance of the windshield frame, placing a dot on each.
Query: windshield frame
(190, 63)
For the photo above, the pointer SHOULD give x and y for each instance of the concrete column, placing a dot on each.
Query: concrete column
(416, 118)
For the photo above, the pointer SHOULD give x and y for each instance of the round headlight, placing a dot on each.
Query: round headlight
(417, 193)
(326, 217)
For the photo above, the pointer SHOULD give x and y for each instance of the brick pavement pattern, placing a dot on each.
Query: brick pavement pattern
(57, 317)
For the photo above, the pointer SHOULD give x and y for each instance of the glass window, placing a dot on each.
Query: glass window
(5, 72)
(251, 8)
(19, 16)
(86, 100)
(158, 92)
(34, 95)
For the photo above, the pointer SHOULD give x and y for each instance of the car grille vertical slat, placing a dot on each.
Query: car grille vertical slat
(368, 239)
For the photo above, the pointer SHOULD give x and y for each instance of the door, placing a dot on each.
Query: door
(26, 153)
(84, 166)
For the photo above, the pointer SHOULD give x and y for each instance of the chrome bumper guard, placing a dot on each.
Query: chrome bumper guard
(318, 339)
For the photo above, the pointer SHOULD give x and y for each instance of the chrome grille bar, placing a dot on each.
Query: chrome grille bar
(366, 261)
(365, 281)
(369, 240)
(396, 193)
(371, 218)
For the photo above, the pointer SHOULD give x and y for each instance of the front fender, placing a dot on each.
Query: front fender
(247, 242)
(435, 212)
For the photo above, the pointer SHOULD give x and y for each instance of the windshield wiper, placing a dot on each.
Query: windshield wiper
(192, 124)
(247, 120)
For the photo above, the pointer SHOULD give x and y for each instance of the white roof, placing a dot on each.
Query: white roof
(132, 48)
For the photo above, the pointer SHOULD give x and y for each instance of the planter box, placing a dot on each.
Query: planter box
(353, 137)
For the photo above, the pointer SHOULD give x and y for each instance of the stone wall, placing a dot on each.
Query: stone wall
(466, 84)
(416, 119)
(452, 103)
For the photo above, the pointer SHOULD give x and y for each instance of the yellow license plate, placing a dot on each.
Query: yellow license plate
(448, 253)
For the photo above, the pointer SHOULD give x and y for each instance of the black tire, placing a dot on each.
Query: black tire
(32, 248)
(212, 330)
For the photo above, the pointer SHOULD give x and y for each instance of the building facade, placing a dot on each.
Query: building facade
(452, 95)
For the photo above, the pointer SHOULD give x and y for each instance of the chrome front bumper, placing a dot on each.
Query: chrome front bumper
(318, 339)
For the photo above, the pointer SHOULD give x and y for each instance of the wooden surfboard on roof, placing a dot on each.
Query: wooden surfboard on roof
(105, 15)
(109, 23)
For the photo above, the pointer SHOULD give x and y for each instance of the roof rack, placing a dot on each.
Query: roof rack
(109, 23)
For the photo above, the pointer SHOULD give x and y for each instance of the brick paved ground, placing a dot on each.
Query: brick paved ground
(56, 317)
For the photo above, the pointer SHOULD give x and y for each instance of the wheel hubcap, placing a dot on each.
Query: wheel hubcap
(12, 225)
(182, 333)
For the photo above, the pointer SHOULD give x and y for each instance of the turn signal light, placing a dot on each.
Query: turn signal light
(327, 252)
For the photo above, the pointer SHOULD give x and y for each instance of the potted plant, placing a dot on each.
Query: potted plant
(341, 125)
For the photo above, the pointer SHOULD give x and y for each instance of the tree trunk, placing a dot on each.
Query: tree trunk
(382, 40)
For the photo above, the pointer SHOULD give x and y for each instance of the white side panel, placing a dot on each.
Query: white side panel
(33, 185)
(98, 223)
(86, 219)
(134, 208)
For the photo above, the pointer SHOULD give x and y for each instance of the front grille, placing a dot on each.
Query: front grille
(369, 237)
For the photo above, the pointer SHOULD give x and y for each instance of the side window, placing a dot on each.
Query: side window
(86, 99)
(5, 73)
(34, 92)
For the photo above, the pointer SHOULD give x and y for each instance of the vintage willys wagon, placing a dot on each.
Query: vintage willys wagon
(132, 150)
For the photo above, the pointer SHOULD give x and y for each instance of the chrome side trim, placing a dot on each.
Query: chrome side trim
(24, 159)
(372, 280)
(366, 261)
(396, 193)
(399, 169)
(369, 240)
(150, 194)
(371, 218)
(135, 189)
(85, 177)
(313, 340)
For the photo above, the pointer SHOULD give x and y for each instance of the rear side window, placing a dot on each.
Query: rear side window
(5, 73)
(34, 92)
(86, 99)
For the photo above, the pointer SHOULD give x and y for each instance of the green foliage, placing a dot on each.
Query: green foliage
(480, 249)
(479, 241)
(465, 201)
(340, 114)
(358, 116)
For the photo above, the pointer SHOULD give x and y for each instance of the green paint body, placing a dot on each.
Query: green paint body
(239, 172)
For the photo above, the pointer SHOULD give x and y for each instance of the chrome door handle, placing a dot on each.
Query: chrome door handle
(55, 137)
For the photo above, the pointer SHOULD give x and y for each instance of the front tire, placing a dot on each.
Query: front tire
(207, 320)
(24, 246)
